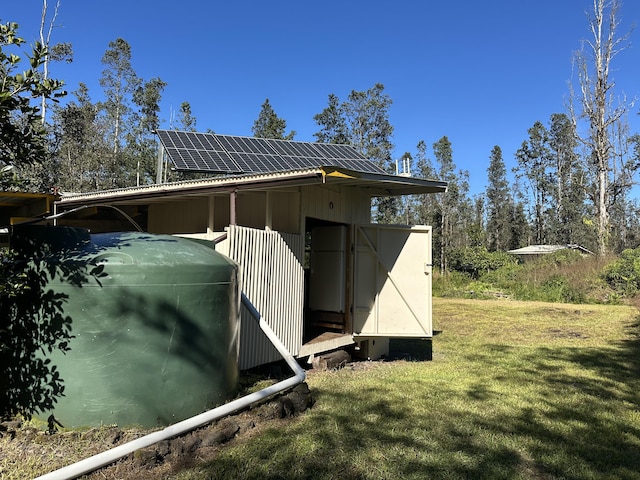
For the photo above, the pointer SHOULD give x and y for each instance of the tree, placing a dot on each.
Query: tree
(269, 125)
(568, 196)
(22, 134)
(454, 210)
(57, 52)
(362, 121)
(425, 209)
(31, 322)
(81, 145)
(476, 231)
(366, 114)
(142, 144)
(119, 82)
(333, 123)
(597, 109)
(534, 160)
(498, 201)
(185, 120)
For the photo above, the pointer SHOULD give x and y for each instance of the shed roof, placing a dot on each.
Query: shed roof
(376, 184)
(544, 249)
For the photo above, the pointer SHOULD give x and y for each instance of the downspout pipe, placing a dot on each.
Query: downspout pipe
(105, 458)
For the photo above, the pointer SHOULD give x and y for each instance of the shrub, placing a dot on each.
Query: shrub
(32, 324)
(623, 275)
(478, 260)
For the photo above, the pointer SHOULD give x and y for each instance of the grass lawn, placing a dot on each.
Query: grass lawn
(514, 390)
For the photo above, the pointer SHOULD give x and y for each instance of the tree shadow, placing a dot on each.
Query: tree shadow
(33, 322)
(575, 422)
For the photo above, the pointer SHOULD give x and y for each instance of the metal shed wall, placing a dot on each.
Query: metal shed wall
(272, 277)
(336, 204)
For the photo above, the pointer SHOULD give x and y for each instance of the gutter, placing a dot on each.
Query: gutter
(105, 458)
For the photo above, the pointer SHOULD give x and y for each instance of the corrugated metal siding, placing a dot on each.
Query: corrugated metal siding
(272, 277)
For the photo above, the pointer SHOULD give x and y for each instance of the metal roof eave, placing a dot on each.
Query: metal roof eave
(384, 185)
(375, 184)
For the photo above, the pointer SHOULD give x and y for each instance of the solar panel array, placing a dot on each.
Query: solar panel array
(213, 153)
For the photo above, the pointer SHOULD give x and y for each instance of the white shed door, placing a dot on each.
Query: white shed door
(392, 281)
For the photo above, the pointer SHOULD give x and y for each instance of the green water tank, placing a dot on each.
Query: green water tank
(156, 334)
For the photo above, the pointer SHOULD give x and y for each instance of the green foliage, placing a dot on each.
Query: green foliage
(269, 125)
(453, 284)
(333, 124)
(22, 133)
(498, 200)
(32, 324)
(564, 276)
(478, 260)
(623, 275)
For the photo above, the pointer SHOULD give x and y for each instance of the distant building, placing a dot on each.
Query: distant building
(532, 252)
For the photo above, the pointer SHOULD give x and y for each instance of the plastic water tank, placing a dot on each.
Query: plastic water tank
(156, 334)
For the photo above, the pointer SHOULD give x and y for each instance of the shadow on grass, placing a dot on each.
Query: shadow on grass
(537, 413)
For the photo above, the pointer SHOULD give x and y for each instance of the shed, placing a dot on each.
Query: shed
(296, 217)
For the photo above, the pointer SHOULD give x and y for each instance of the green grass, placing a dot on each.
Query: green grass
(515, 391)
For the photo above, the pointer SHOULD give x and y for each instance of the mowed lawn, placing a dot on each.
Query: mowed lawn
(514, 390)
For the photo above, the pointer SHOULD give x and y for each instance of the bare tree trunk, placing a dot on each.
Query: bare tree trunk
(597, 109)
(46, 41)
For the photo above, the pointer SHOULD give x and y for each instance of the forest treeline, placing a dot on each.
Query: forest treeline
(568, 187)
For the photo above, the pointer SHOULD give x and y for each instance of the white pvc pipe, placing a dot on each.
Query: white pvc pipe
(105, 458)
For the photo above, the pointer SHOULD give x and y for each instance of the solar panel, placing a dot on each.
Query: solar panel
(209, 152)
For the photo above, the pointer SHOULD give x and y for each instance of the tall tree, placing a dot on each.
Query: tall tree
(333, 123)
(498, 201)
(185, 120)
(425, 208)
(142, 144)
(362, 121)
(56, 52)
(534, 160)
(32, 323)
(598, 110)
(22, 134)
(269, 125)
(453, 206)
(568, 197)
(119, 82)
(367, 117)
(81, 146)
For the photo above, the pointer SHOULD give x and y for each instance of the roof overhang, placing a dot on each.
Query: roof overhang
(374, 184)
(19, 206)
(382, 185)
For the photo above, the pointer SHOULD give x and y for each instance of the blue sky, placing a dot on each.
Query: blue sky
(480, 73)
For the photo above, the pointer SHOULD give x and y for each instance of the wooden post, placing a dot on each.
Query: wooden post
(232, 207)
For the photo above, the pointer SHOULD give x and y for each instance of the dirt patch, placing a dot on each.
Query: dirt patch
(26, 451)
(560, 333)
